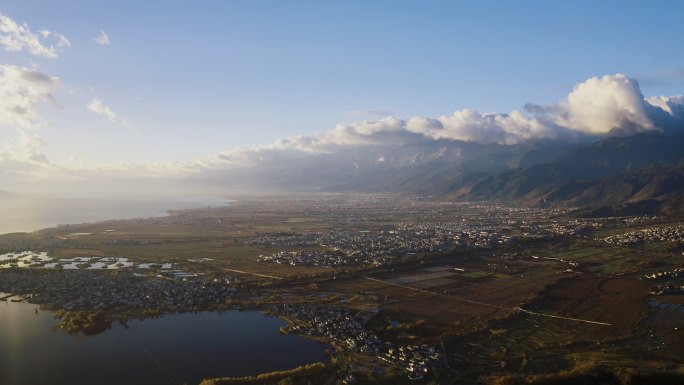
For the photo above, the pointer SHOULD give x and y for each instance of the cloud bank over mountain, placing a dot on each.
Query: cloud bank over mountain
(596, 108)
(611, 105)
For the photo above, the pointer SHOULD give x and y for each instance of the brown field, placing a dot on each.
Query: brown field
(274, 269)
(407, 279)
(353, 285)
(618, 301)
(433, 283)
(444, 298)
(393, 293)
(434, 269)
(477, 302)
(443, 311)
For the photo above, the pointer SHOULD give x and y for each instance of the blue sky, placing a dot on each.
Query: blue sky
(196, 78)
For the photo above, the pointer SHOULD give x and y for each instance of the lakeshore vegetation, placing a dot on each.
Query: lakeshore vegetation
(308, 372)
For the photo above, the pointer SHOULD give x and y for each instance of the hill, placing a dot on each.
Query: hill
(639, 172)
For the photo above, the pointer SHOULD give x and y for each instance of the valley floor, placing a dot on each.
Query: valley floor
(406, 289)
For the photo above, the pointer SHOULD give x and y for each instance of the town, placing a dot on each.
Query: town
(653, 234)
(126, 289)
(404, 288)
(348, 330)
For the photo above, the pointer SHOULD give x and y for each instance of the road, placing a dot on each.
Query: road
(250, 273)
(517, 308)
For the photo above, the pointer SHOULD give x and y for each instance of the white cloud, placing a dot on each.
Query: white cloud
(125, 122)
(598, 107)
(471, 126)
(17, 37)
(672, 105)
(62, 41)
(28, 148)
(100, 108)
(20, 90)
(102, 39)
(23, 162)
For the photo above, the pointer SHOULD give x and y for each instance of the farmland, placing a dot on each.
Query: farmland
(494, 291)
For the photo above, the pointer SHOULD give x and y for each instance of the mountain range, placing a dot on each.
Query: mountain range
(639, 173)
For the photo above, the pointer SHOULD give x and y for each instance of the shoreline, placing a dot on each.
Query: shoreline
(144, 314)
(62, 211)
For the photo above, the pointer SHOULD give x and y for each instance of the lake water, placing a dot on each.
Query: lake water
(29, 212)
(174, 349)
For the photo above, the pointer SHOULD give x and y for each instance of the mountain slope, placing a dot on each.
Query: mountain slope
(630, 171)
(575, 178)
(653, 190)
(426, 168)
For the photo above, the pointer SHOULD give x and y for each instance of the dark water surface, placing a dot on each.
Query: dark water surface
(174, 349)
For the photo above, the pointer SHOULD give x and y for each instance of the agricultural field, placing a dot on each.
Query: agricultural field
(472, 281)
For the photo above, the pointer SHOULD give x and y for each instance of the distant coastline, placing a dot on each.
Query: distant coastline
(31, 212)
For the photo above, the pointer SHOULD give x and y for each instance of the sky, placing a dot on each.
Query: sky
(164, 87)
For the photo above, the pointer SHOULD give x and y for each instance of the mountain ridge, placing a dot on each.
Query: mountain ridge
(610, 172)
(613, 172)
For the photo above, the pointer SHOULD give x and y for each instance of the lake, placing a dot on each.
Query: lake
(34, 211)
(173, 349)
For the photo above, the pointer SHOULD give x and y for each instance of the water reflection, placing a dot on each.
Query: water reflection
(180, 348)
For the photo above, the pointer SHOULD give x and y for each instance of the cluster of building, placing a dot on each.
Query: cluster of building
(395, 240)
(374, 247)
(288, 240)
(336, 323)
(539, 228)
(671, 287)
(124, 289)
(674, 273)
(673, 234)
(638, 220)
(667, 290)
(347, 328)
(308, 258)
(416, 359)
